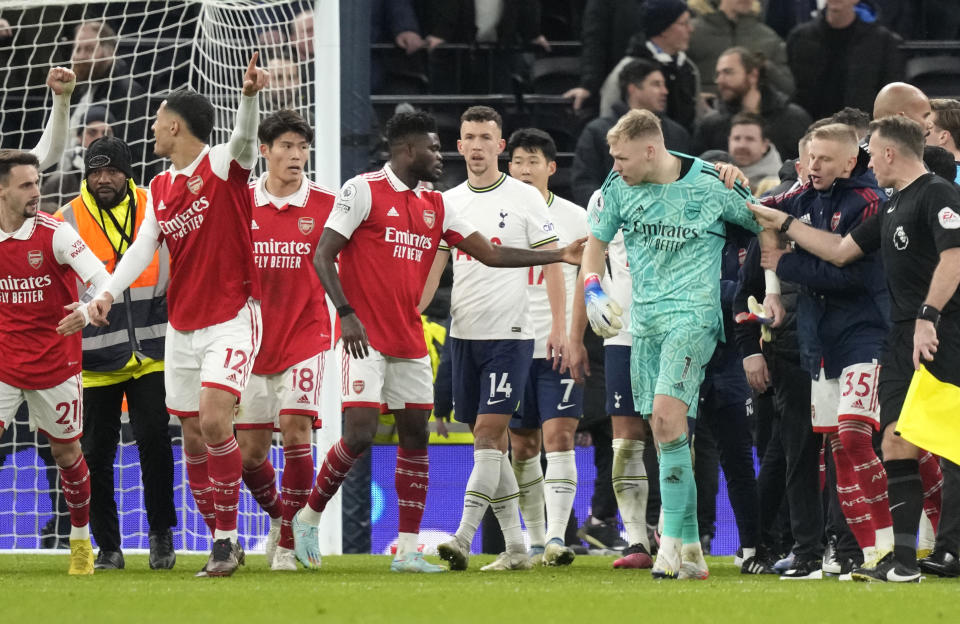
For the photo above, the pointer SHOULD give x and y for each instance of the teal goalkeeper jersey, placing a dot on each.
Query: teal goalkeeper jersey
(674, 235)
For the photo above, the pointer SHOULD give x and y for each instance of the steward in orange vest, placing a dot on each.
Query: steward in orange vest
(125, 358)
(138, 325)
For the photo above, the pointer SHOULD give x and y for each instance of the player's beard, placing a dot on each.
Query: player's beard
(30, 210)
(428, 174)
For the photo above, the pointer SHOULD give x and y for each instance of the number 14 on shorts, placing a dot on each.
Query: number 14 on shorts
(502, 388)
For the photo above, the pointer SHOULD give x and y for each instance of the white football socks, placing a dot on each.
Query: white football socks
(506, 506)
(560, 488)
(529, 475)
(80, 533)
(481, 487)
(407, 543)
(631, 488)
(884, 539)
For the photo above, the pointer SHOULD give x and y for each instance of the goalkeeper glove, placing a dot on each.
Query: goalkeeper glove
(602, 311)
(756, 314)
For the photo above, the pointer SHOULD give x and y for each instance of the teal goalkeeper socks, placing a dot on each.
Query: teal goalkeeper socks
(676, 483)
(691, 529)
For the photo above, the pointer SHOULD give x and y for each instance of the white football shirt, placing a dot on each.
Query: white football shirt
(570, 223)
(617, 284)
(492, 303)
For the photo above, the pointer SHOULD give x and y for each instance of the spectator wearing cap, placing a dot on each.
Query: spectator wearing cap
(668, 27)
(64, 184)
(124, 358)
(735, 23)
(743, 87)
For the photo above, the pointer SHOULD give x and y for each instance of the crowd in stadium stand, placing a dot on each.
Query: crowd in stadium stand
(732, 81)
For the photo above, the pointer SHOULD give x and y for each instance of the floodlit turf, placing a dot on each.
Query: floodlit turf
(361, 589)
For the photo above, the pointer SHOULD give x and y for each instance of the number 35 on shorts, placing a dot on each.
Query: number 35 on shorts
(858, 390)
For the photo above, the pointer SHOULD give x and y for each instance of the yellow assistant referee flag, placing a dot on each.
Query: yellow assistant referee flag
(930, 417)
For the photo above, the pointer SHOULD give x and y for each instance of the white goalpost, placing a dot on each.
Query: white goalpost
(128, 55)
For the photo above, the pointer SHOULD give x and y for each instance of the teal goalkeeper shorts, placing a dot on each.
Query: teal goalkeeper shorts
(672, 363)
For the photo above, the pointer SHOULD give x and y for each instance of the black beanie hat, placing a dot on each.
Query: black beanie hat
(659, 15)
(108, 151)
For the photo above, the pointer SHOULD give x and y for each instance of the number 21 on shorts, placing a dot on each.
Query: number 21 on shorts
(69, 413)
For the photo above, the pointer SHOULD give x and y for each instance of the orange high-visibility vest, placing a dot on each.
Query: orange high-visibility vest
(138, 318)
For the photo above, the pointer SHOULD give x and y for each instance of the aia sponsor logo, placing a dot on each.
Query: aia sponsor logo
(35, 258)
(358, 386)
(195, 184)
(430, 218)
(834, 221)
(305, 225)
(741, 256)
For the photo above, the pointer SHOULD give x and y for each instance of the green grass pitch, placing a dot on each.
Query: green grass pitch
(360, 588)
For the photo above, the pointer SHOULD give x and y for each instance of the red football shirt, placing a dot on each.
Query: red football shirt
(203, 213)
(394, 232)
(296, 320)
(39, 265)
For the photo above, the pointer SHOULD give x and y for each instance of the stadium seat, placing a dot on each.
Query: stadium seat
(555, 74)
(937, 76)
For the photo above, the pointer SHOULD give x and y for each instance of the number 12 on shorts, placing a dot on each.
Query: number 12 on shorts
(240, 361)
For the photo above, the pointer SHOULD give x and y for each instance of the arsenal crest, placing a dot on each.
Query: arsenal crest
(429, 217)
(195, 184)
(305, 225)
(35, 258)
(358, 386)
(835, 221)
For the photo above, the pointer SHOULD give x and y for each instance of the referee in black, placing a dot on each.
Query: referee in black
(918, 235)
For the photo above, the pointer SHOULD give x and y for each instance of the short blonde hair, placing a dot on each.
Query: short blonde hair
(840, 133)
(635, 124)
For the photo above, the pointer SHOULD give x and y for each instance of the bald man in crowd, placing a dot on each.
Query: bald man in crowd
(900, 98)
